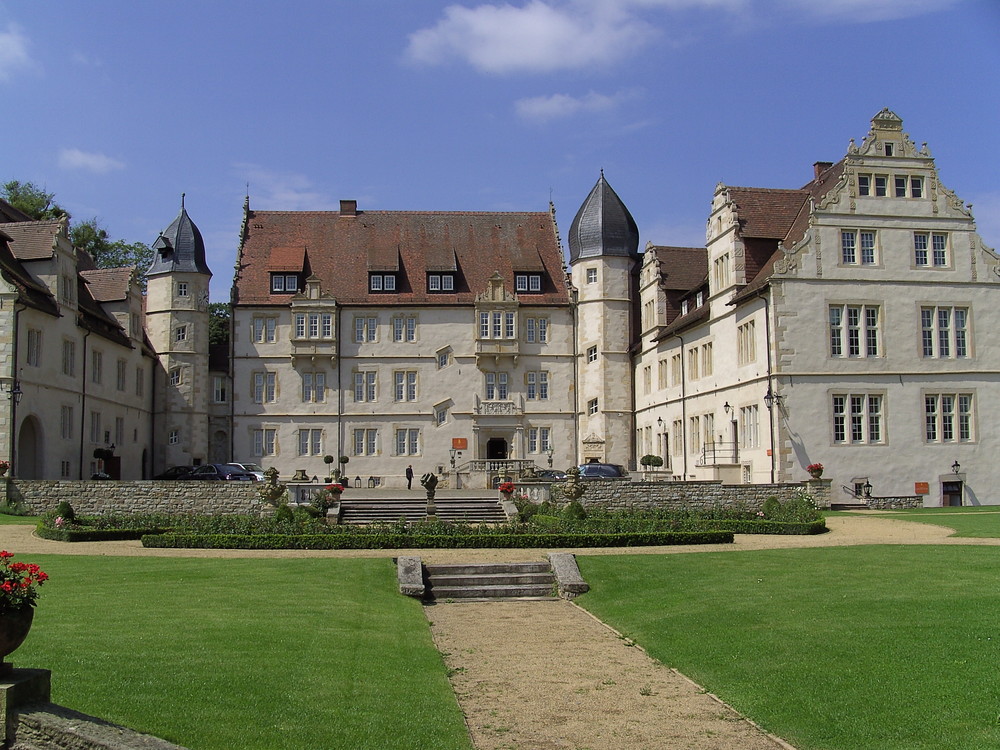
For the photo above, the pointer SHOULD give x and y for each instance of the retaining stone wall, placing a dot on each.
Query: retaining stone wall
(622, 494)
(895, 503)
(91, 498)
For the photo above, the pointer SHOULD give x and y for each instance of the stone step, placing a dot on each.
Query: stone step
(532, 580)
(498, 591)
(471, 510)
(501, 579)
(474, 569)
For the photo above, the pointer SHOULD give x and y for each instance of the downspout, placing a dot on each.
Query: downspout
(83, 397)
(13, 399)
(340, 383)
(774, 404)
(684, 421)
(576, 380)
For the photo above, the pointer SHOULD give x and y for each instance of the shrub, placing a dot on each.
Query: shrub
(651, 460)
(574, 511)
(283, 513)
(771, 507)
(65, 511)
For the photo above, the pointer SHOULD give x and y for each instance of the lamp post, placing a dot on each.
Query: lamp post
(453, 453)
(548, 452)
(956, 467)
(867, 489)
(14, 393)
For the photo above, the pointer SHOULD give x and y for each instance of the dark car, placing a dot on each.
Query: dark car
(553, 475)
(231, 472)
(174, 472)
(602, 471)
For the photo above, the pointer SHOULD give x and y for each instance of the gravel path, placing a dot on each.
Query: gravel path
(547, 675)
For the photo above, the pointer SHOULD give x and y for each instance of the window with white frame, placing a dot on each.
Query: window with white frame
(311, 442)
(365, 385)
(121, 374)
(749, 426)
(382, 282)
(707, 363)
(675, 369)
(182, 289)
(496, 386)
(313, 387)
(537, 385)
(441, 415)
(881, 185)
(174, 437)
(662, 370)
(34, 353)
(720, 272)
(854, 331)
(443, 358)
(365, 441)
(441, 282)
(536, 330)
(69, 358)
(864, 184)
(264, 441)
(708, 429)
(497, 324)
(692, 372)
(365, 329)
(948, 418)
(404, 328)
(857, 418)
(408, 442)
(857, 247)
(908, 186)
(678, 448)
(591, 275)
(176, 376)
(66, 422)
(539, 439)
(220, 389)
(528, 282)
(591, 353)
(592, 406)
(95, 427)
(944, 332)
(284, 283)
(312, 325)
(405, 382)
(264, 329)
(930, 249)
(180, 334)
(97, 366)
(694, 435)
(264, 387)
(746, 343)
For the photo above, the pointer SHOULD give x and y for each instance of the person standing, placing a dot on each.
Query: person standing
(409, 477)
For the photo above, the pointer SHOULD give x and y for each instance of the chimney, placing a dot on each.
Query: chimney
(818, 168)
(348, 208)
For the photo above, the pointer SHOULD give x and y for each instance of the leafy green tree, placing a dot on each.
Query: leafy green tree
(32, 200)
(94, 239)
(218, 323)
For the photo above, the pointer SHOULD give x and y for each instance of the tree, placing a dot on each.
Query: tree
(32, 200)
(94, 239)
(218, 324)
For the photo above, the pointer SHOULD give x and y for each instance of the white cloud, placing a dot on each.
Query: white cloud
(13, 51)
(539, 36)
(283, 191)
(546, 108)
(74, 158)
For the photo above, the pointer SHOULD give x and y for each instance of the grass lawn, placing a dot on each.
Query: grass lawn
(883, 647)
(980, 521)
(7, 519)
(231, 654)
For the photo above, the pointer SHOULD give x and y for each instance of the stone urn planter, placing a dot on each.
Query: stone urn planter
(815, 470)
(14, 627)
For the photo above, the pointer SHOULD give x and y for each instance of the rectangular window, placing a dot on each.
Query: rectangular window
(857, 418)
(944, 332)
(264, 442)
(264, 328)
(365, 442)
(406, 385)
(407, 442)
(694, 435)
(920, 257)
(948, 418)
(96, 366)
(34, 357)
(854, 330)
(661, 374)
(174, 437)
(310, 442)
(175, 376)
(119, 430)
(867, 247)
(746, 343)
(283, 283)
(678, 438)
(538, 439)
(852, 241)
(592, 406)
(647, 379)
(441, 415)
(675, 369)
(121, 375)
(140, 381)
(69, 358)
(508, 325)
(900, 183)
(496, 386)
(365, 329)
(365, 386)
(66, 422)
(382, 282)
(881, 185)
(537, 384)
(95, 427)
(864, 184)
(707, 365)
(749, 427)
(443, 358)
(180, 334)
(313, 325)
(182, 289)
(314, 387)
(536, 330)
(404, 329)
(591, 275)
(916, 187)
(720, 272)
(220, 391)
(592, 354)
(264, 387)
(939, 249)
(693, 363)
(527, 282)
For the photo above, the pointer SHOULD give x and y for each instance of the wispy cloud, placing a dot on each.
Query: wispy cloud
(542, 36)
(13, 51)
(283, 191)
(547, 108)
(74, 158)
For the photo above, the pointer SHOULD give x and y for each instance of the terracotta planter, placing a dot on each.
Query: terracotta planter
(14, 627)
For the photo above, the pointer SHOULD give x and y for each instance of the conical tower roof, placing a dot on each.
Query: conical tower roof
(179, 248)
(602, 226)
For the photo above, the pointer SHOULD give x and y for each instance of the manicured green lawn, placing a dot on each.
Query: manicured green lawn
(885, 647)
(980, 521)
(7, 519)
(231, 654)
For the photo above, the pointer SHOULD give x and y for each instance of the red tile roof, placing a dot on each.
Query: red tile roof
(766, 212)
(682, 268)
(33, 240)
(341, 250)
(108, 284)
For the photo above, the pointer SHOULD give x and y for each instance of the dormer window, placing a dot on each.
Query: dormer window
(684, 307)
(441, 282)
(528, 282)
(284, 283)
(382, 282)
(699, 299)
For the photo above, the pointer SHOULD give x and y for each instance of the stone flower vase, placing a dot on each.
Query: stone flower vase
(14, 627)
(816, 473)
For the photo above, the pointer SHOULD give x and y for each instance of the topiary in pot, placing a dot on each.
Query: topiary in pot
(651, 460)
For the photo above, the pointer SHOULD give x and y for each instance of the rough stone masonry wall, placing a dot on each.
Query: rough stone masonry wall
(625, 495)
(97, 498)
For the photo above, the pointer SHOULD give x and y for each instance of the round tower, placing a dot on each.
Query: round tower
(604, 267)
(177, 286)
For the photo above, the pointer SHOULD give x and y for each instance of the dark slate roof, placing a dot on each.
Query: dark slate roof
(341, 248)
(602, 226)
(179, 248)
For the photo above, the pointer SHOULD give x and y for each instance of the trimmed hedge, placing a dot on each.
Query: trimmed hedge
(77, 534)
(394, 540)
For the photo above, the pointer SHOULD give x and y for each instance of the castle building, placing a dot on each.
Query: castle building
(848, 323)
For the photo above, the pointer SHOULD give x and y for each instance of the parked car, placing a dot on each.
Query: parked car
(254, 469)
(553, 475)
(174, 472)
(602, 471)
(233, 472)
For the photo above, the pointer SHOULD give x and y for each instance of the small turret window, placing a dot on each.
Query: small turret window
(182, 289)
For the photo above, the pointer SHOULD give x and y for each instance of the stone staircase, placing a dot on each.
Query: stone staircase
(519, 580)
(450, 509)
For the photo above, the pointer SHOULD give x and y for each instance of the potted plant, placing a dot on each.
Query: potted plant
(815, 470)
(19, 584)
(506, 489)
(4, 465)
(328, 459)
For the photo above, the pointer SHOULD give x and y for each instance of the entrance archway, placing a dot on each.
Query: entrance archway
(29, 460)
(496, 449)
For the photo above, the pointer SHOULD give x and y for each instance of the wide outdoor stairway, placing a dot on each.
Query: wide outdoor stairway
(524, 580)
(367, 510)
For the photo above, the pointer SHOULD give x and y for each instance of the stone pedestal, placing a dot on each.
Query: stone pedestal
(21, 687)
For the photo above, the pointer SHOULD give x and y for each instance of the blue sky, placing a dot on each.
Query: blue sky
(120, 106)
